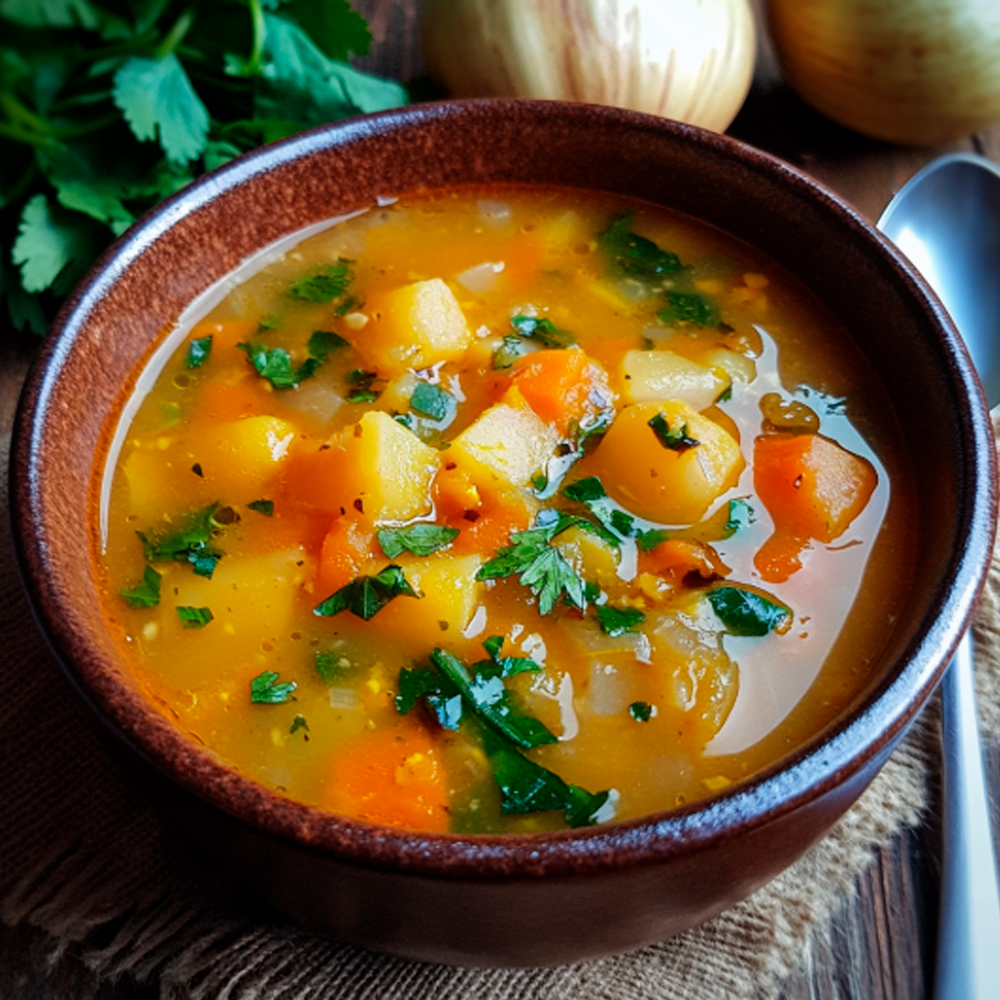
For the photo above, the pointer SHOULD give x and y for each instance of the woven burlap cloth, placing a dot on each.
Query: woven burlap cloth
(93, 891)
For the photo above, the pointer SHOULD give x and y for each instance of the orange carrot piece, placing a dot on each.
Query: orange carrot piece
(559, 385)
(346, 550)
(312, 477)
(393, 777)
(677, 558)
(229, 399)
(811, 486)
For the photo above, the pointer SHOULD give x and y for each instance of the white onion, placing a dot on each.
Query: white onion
(915, 72)
(691, 60)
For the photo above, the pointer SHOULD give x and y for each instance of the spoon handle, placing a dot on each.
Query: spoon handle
(968, 954)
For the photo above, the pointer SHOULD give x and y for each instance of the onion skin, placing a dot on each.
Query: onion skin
(912, 72)
(691, 60)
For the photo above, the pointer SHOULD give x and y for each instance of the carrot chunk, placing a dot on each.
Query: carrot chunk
(813, 489)
(561, 386)
(393, 777)
(346, 550)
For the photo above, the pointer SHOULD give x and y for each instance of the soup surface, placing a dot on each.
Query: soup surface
(505, 510)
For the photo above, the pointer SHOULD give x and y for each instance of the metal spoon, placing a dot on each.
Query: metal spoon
(946, 219)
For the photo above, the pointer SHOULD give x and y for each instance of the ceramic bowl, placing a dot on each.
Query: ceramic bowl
(499, 900)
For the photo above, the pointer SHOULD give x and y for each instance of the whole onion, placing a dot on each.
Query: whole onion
(915, 72)
(691, 60)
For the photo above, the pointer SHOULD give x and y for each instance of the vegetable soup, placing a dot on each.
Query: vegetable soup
(505, 510)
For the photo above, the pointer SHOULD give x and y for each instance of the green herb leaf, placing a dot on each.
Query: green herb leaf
(690, 308)
(430, 687)
(190, 544)
(198, 352)
(740, 516)
(265, 507)
(542, 331)
(324, 342)
(676, 439)
(432, 401)
(156, 98)
(50, 243)
(324, 284)
(331, 666)
(299, 722)
(618, 621)
(145, 594)
(362, 382)
(420, 539)
(512, 348)
(635, 256)
(194, 617)
(747, 613)
(590, 492)
(265, 689)
(538, 565)
(641, 711)
(335, 27)
(365, 596)
(648, 540)
(503, 666)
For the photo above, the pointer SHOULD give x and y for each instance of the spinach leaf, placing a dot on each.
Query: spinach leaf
(748, 613)
(365, 596)
(633, 256)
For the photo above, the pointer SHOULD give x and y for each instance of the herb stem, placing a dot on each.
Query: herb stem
(22, 183)
(259, 34)
(17, 112)
(86, 128)
(27, 138)
(175, 35)
(133, 45)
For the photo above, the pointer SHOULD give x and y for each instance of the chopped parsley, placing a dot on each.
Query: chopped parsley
(265, 507)
(365, 596)
(432, 401)
(542, 331)
(746, 612)
(299, 722)
(420, 539)
(591, 493)
(648, 540)
(618, 621)
(362, 382)
(475, 697)
(145, 594)
(331, 666)
(324, 284)
(633, 256)
(539, 565)
(691, 308)
(198, 352)
(275, 363)
(323, 342)
(194, 617)
(265, 689)
(190, 544)
(675, 439)
(641, 711)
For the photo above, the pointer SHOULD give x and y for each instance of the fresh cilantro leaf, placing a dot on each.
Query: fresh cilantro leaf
(365, 596)
(273, 364)
(747, 613)
(527, 787)
(436, 691)
(145, 594)
(299, 722)
(190, 544)
(265, 507)
(539, 565)
(362, 382)
(335, 27)
(323, 342)
(633, 256)
(50, 242)
(194, 617)
(542, 331)
(675, 439)
(324, 284)
(265, 689)
(740, 516)
(420, 539)
(503, 666)
(198, 351)
(689, 307)
(432, 401)
(157, 99)
(493, 704)
(641, 711)
(618, 621)
(648, 540)
(590, 492)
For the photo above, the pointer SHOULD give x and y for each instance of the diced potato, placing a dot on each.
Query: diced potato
(590, 555)
(449, 593)
(242, 457)
(376, 467)
(660, 483)
(652, 376)
(415, 326)
(737, 366)
(513, 442)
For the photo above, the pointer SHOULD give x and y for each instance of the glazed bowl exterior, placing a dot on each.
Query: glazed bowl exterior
(526, 899)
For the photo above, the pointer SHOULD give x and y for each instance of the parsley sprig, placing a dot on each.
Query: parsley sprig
(191, 543)
(106, 108)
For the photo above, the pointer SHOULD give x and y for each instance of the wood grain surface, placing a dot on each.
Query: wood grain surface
(882, 947)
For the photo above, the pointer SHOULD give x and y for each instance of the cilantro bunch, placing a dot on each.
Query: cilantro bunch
(109, 106)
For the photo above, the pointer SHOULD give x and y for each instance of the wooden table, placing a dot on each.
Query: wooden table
(883, 944)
